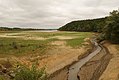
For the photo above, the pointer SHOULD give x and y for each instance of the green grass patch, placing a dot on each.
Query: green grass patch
(19, 46)
(77, 42)
(51, 34)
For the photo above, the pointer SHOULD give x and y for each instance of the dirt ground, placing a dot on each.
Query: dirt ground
(102, 66)
(93, 69)
(57, 57)
(62, 56)
(13, 35)
(112, 70)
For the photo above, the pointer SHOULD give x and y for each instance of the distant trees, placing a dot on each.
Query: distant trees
(4, 29)
(108, 26)
(20, 29)
(9, 29)
(90, 25)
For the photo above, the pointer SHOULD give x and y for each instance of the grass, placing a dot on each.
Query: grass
(1, 32)
(33, 73)
(2, 77)
(23, 72)
(77, 42)
(17, 47)
(51, 34)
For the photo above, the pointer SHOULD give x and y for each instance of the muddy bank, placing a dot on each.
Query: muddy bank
(62, 73)
(94, 68)
(112, 70)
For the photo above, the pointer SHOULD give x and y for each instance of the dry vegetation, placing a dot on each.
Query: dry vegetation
(54, 50)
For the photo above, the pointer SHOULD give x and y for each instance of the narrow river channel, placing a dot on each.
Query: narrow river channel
(74, 69)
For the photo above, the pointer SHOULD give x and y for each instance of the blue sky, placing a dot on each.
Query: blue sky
(51, 13)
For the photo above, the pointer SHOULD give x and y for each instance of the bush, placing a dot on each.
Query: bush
(100, 38)
(33, 73)
(14, 45)
(1, 77)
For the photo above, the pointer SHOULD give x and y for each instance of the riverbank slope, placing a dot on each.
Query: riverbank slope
(103, 66)
(112, 70)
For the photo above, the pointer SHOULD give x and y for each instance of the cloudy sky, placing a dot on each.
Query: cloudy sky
(52, 13)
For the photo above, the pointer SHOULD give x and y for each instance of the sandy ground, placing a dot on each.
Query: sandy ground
(67, 58)
(93, 69)
(12, 35)
(112, 70)
(58, 56)
(102, 66)
(60, 75)
(16, 35)
(62, 56)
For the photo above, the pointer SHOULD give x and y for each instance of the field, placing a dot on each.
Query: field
(26, 47)
(37, 42)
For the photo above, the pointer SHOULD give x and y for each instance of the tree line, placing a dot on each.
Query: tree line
(107, 26)
(20, 29)
(89, 25)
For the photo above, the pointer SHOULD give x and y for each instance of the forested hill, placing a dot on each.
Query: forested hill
(108, 26)
(89, 25)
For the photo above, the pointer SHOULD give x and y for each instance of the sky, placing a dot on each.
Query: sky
(50, 14)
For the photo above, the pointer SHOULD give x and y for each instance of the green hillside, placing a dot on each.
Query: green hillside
(89, 25)
(108, 26)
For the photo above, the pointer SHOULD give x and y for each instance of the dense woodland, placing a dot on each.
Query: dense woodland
(108, 26)
(85, 25)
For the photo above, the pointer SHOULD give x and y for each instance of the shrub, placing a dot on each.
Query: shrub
(14, 45)
(100, 38)
(33, 73)
(1, 77)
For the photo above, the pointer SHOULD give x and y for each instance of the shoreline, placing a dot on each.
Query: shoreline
(95, 67)
(64, 71)
(92, 70)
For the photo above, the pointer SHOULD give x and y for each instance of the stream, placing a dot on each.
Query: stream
(74, 69)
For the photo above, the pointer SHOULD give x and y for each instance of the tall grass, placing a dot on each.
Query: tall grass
(20, 47)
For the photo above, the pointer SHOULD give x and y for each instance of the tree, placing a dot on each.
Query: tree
(111, 30)
(90, 25)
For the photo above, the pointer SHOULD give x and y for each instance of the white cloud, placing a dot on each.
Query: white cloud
(52, 13)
